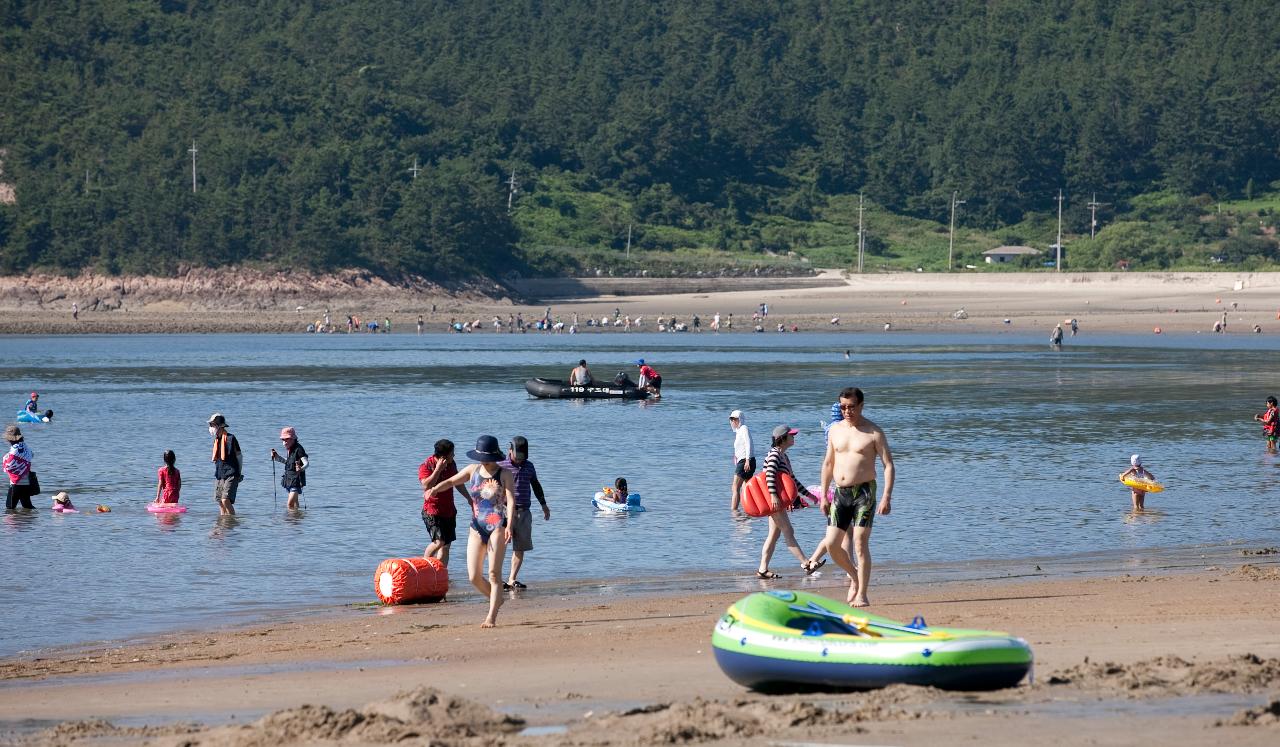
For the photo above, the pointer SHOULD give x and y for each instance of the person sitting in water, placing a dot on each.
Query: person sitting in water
(622, 379)
(580, 376)
(33, 404)
(616, 494)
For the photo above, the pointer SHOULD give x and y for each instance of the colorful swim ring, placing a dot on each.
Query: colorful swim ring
(166, 508)
(603, 501)
(1138, 483)
(60, 509)
(793, 640)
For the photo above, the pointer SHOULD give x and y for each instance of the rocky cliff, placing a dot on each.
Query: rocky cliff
(227, 289)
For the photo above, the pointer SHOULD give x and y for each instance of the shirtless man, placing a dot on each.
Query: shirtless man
(580, 376)
(852, 447)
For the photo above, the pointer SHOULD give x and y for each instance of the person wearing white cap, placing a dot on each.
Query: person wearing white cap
(744, 457)
(228, 465)
(1137, 470)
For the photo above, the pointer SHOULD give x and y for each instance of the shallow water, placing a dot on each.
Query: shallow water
(1004, 449)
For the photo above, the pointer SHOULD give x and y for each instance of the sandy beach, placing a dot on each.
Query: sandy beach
(1188, 655)
(1101, 302)
(1161, 654)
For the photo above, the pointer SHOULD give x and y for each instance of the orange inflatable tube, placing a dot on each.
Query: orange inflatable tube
(755, 494)
(408, 580)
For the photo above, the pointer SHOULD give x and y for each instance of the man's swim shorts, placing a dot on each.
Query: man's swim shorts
(853, 504)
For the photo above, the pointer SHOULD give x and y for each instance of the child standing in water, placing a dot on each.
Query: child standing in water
(1137, 470)
(1270, 423)
(169, 482)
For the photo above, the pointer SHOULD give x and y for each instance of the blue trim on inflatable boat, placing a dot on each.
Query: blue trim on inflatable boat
(770, 674)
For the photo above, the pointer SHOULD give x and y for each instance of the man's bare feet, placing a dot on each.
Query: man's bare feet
(858, 601)
(489, 624)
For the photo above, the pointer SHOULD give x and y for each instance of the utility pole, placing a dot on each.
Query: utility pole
(415, 168)
(1093, 214)
(861, 242)
(1058, 265)
(513, 186)
(628, 242)
(193, 153)
(951, 240)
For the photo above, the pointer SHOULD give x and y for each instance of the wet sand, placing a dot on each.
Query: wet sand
(1102, 302)
(1187, 655)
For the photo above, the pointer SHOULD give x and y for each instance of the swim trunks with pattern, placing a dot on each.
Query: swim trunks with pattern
(853, 504)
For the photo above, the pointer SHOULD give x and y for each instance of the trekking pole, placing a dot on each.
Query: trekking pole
(275, 494)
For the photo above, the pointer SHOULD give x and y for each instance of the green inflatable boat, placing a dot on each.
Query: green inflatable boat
(792, 640)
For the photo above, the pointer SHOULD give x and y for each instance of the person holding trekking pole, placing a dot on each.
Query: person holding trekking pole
(295, 465)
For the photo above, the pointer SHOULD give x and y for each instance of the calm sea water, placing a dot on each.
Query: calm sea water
(1004, 449)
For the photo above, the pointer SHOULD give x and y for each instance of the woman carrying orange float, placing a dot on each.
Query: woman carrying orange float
(777, 465)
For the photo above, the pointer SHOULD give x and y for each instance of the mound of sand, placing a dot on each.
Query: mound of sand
(423, 714)
(702, 720)
(1255, 573)
(1171, 675)
(1263, 715)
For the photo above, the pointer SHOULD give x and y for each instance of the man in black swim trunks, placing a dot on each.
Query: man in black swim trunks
(852, 447)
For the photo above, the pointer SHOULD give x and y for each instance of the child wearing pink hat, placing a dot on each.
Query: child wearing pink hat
(295, 464)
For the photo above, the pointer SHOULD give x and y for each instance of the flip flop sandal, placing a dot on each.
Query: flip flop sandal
(809, 568)
(506, 586)
(767, 575)
(519, 585)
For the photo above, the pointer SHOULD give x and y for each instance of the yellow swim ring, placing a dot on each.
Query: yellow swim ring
(1147, 486)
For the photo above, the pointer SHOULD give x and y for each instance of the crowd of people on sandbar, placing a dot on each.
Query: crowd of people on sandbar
(549, 323)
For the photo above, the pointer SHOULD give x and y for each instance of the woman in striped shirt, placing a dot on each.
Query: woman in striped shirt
(777, 463)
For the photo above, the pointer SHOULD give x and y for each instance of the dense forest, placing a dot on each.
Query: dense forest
(384, 133)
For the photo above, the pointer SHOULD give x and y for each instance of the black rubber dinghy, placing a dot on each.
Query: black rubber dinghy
(560, 389)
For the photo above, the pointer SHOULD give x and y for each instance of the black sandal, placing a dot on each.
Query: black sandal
(809, 568)
(767, 575)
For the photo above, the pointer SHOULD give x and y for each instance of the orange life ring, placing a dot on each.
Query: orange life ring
(755, 494)
(406, 580)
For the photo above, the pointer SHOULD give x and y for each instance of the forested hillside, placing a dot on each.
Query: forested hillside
(730, 127)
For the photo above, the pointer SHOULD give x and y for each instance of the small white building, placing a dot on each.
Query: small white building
(1008, 254)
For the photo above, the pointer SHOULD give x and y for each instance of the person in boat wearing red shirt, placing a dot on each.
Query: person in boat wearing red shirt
(650, 380)
(438, 510)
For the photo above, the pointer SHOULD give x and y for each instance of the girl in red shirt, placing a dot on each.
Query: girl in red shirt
(169, 483)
